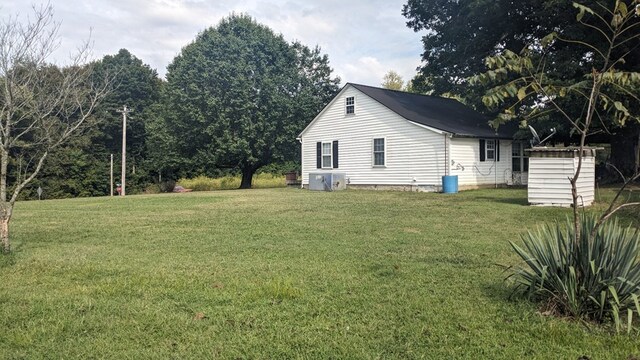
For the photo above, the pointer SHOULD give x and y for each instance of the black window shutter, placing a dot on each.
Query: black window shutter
(482, 150)
(335, 154)
(497, 149)
(319, 155)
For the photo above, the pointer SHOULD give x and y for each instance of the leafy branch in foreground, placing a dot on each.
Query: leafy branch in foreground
(604, 90)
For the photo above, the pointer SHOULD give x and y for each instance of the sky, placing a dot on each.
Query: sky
(363, 38)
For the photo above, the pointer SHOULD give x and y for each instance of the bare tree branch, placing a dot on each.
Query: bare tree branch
(42, 105)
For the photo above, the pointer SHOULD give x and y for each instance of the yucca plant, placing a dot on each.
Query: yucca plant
(595, 278)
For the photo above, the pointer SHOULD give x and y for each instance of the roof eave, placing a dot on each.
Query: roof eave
(496, 136)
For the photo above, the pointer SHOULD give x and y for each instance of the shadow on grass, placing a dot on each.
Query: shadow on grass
(7, 260)
(511, 200)
(505, 290)
(505, 294)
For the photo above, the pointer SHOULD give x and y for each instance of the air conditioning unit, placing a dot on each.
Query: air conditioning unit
(328, 181)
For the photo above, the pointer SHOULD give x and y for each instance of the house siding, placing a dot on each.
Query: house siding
(412, 152)
(465, 162)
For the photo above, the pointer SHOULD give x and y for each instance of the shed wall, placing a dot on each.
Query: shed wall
(549, 180)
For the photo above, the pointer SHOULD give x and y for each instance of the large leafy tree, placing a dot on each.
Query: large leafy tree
(138, 86)
(392, 80)
(237, 97)
(81, 166)
(461, 34)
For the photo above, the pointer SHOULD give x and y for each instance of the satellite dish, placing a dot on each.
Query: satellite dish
(536, 139)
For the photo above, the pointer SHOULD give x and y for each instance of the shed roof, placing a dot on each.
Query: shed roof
(444, 114)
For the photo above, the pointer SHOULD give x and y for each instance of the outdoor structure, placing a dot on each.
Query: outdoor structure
(549, 173)
(387, 139)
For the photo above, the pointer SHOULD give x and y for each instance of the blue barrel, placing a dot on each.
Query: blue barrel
(450, 184)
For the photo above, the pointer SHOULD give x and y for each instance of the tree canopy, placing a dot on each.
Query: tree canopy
(237, 97)
(392, 80)
(461, 34)
(81, 167)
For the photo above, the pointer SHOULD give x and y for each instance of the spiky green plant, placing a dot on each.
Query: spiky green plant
(595, 279)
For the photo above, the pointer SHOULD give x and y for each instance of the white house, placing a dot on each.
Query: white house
(388, 139)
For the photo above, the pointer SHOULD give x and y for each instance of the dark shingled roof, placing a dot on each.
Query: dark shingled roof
(444, 114)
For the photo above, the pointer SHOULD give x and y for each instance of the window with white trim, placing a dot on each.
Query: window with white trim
(327, 156)
(379, 152)
(350, 105)
(490, 149)
(519, 158)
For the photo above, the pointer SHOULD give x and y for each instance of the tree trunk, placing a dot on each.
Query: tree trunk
(5, 216)
(624, 151)
(247, 176)
(5, 206)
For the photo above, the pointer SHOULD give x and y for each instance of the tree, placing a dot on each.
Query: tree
(392, 81)
(461, 34)
(602, 90)
(41, 106)
(138, 86)
(80, 167)
(238, 95)
(582, 282)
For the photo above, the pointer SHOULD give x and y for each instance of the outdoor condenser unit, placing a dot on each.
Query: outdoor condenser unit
(327, 181)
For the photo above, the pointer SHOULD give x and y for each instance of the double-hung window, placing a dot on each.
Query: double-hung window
(491, 150)
(350, 105)
(516, 157)
(519, 158)
(379, 152)
(327, 155)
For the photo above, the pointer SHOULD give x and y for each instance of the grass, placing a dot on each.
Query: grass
(259, 181)
(281, 273)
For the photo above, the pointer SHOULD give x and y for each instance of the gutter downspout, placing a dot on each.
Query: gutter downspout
(446, 155)
(495, 162)
(301, 161)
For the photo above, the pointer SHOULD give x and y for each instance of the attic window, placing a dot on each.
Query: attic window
(350, 105)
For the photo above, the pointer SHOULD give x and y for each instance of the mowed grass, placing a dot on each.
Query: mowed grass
(281, 273)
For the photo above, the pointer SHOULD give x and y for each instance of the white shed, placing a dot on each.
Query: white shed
(550, 170)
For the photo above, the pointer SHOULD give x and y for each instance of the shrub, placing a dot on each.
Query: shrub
(267, 180)
(152, 189)
(203, 183)
(596, 279)
(280, 168)
(167, 186)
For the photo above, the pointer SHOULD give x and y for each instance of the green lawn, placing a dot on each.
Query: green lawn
(280, 273)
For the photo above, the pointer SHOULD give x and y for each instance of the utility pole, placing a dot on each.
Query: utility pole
(125, 110)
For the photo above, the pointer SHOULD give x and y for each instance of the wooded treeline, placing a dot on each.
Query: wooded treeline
(233, 101)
